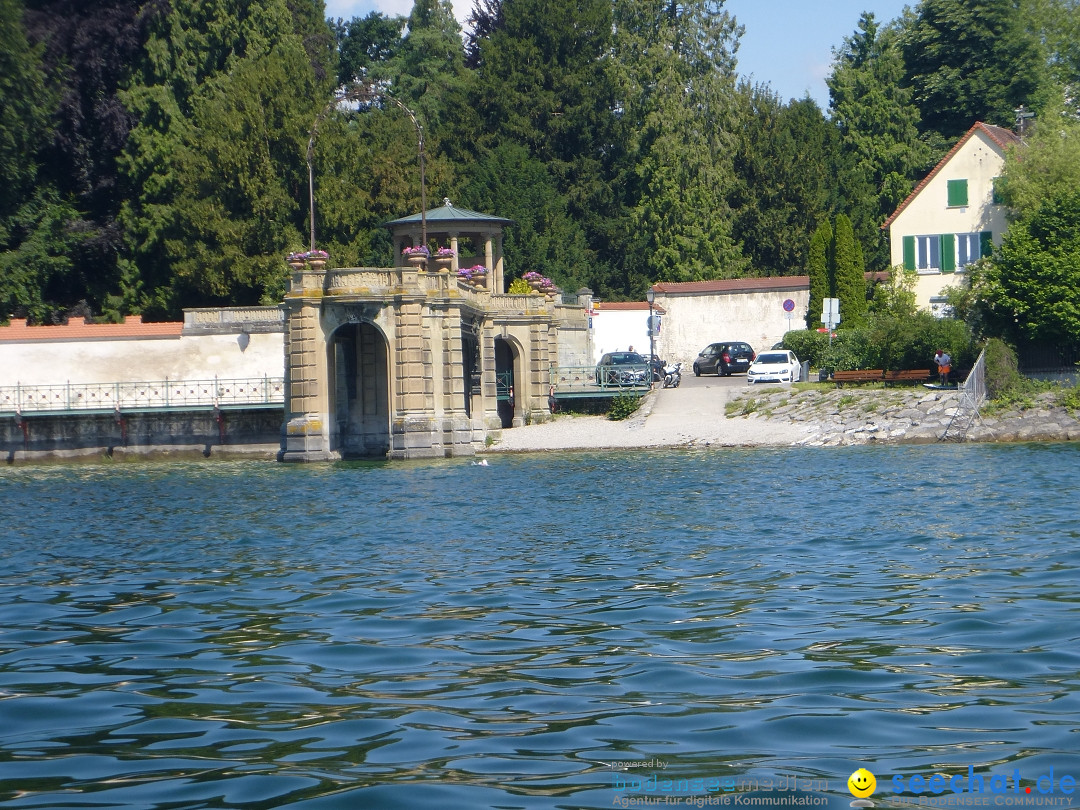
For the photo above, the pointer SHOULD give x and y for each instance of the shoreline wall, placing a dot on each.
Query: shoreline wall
(246, 432)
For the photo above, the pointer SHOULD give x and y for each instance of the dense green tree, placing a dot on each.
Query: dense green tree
(233, 215)
(878, 129)
(1031, 283)
(485, 18)
(674, 69)
(969, 61)
(1046, 167)
(818, 269)
(784, 162)
(544, 82)
(1057, 24)
(26, 105)
(850, 275)
(366, 46)
(544, 238)
(201, 102)
(429, 67)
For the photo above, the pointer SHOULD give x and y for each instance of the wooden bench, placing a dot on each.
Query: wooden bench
(857, 376)
(914, 375)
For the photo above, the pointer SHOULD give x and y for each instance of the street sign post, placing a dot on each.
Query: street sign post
(830, 314)
(789, 311)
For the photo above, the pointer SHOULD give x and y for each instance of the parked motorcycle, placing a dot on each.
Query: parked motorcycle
(672, 375)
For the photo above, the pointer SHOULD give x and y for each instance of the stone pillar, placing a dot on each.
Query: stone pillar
(488, 405)
(306, 433)
(414, 429)
(539, 373)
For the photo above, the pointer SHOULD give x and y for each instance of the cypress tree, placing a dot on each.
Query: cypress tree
(818, 269)
(850, 278)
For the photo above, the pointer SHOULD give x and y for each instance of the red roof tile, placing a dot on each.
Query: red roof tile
(627, 306)
(1004, 138)
(731, 285)
(78, 329)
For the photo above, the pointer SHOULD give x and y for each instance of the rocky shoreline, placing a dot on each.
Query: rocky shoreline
(845, 416)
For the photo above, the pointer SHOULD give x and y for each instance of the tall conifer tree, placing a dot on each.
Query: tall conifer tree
(850, 275)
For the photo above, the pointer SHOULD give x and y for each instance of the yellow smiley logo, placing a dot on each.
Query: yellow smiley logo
(861, 783)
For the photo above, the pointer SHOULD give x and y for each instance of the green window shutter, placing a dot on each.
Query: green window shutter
(986, 243)
(909, 252)
(995, 196)
(948, 253)
(958, 193)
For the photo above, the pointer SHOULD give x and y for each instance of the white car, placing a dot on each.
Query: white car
(779, 365)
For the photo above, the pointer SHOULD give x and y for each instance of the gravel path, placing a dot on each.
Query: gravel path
(689, 416)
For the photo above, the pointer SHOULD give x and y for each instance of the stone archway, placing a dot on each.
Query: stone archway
(506, 361)
(359, 391)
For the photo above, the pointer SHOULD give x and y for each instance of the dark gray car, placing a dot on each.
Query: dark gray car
(724, 359)
(622, 368)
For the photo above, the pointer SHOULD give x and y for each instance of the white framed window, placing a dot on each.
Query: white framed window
(968, 249)
(928, 254)
(939, 307)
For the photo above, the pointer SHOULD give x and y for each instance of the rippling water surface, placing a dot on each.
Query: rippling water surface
(442, 635)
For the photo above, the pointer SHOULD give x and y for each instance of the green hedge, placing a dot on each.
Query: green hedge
(891, 342)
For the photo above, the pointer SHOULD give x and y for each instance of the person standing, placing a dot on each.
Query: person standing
(944, 366)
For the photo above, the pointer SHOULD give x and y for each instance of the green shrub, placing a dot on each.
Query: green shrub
(891, 341)
(623, 406)
(1070, 399)
(808, 344)
(1002, 372)
(519, 286)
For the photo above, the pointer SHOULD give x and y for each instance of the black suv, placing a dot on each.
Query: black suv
(724, 359)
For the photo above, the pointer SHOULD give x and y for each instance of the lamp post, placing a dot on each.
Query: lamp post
(357, 92)
(650, 296)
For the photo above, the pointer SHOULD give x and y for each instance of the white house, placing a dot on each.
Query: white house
(953, 217)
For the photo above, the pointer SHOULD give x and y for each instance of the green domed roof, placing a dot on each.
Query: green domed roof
(448, 213)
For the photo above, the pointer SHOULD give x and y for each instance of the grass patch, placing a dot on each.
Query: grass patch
(1070, 399)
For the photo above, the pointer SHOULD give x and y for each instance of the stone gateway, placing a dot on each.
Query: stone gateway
(419, 360)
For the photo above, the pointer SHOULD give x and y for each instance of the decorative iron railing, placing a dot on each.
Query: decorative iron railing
(599, 380)
(126, 396)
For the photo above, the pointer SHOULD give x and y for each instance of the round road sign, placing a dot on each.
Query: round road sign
(789, 305)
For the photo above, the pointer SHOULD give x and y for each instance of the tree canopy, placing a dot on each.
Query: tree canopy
(154, 153)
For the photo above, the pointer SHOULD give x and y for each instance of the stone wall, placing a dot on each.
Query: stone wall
(749, 310)
(242, 432)
(96, 353)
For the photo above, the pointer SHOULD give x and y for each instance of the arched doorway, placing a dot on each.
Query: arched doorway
(359, 391)
(505, 355)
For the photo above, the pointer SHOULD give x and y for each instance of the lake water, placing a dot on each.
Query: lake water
(538, 633)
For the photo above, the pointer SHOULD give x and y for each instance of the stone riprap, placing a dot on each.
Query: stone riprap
(847, 416)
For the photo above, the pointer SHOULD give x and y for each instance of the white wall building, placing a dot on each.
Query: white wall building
(234, 343)
(758, 311)
(952, 218)
(618, 325)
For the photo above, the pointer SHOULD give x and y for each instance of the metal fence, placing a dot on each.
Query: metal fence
(599, 381)
(972, 395)
(136, 396)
